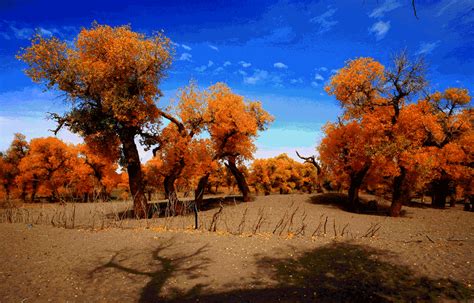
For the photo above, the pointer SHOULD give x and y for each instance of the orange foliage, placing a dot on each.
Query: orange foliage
(357, 86)
(46, 167)
(111, 67)
(282, 174)
(9, 163)
(110, 76)
(234, 123)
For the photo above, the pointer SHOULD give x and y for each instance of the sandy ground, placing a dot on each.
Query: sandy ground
(279, 253)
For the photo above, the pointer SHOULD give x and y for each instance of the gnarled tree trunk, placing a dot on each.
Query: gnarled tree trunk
(440, 189)
(356, 180)
(401, 193)
(170, 190)
(199, 192)
(198, 197)
(240, 178)
(135, 176)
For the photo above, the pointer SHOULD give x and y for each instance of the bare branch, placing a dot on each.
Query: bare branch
(414, 8)
(312, 160)
(172, 119)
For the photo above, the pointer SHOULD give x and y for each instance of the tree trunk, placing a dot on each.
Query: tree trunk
(170, 190)
(149, 195)
(23, 192)
(401, 193)
(170, 194)
(240, 178)
(198, 197)
(199, 193)
(34, 189)
(353, 195)
(7, 191)
(135, 176)
(356, 182)
(440, 192)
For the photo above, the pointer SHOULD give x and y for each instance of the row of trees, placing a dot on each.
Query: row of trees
(395, 137)
(48, 167)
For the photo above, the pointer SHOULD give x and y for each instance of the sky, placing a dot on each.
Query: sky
(280, 53)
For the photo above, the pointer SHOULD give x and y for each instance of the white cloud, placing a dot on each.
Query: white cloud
(44, 32)
(213, 47)
(242, 72)
(227, 63)
(314, 84)
(201, 68)
(258, 76)
(204, 67)
(186, 47)
(245, 64)
(27, 32)
(322, 69)
(334, 71)
(325, 20)
(445, 6)
(219, 70)
(296, 81)
(185, 57)
(385, 7)
(22, 33)
(318, 77)
(277, 81)
(427, 47)
(280, 65)
(284, 34)
(380, 29)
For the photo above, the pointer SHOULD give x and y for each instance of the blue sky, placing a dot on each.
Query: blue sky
(281, 53)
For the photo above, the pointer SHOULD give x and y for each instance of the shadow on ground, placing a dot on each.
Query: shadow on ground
(338, 272)
(161, 269)
(339, 200)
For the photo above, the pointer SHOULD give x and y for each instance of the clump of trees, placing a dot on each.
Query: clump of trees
(231, 123)
(50, 168)
(111, 77)
(283, 175)
(395, 136)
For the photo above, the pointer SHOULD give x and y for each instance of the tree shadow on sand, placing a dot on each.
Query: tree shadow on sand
(340, 200)
(162, 269)
(340, 273)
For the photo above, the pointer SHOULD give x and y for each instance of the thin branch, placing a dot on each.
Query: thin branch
(312, 160)
(414, 8)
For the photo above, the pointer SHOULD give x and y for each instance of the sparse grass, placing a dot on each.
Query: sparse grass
(294, 222)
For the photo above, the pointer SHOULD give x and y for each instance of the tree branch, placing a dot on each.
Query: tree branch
(414, 8)
(312, 160)
(172, 119)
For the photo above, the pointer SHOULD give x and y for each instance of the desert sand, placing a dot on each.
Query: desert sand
(289, 248)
